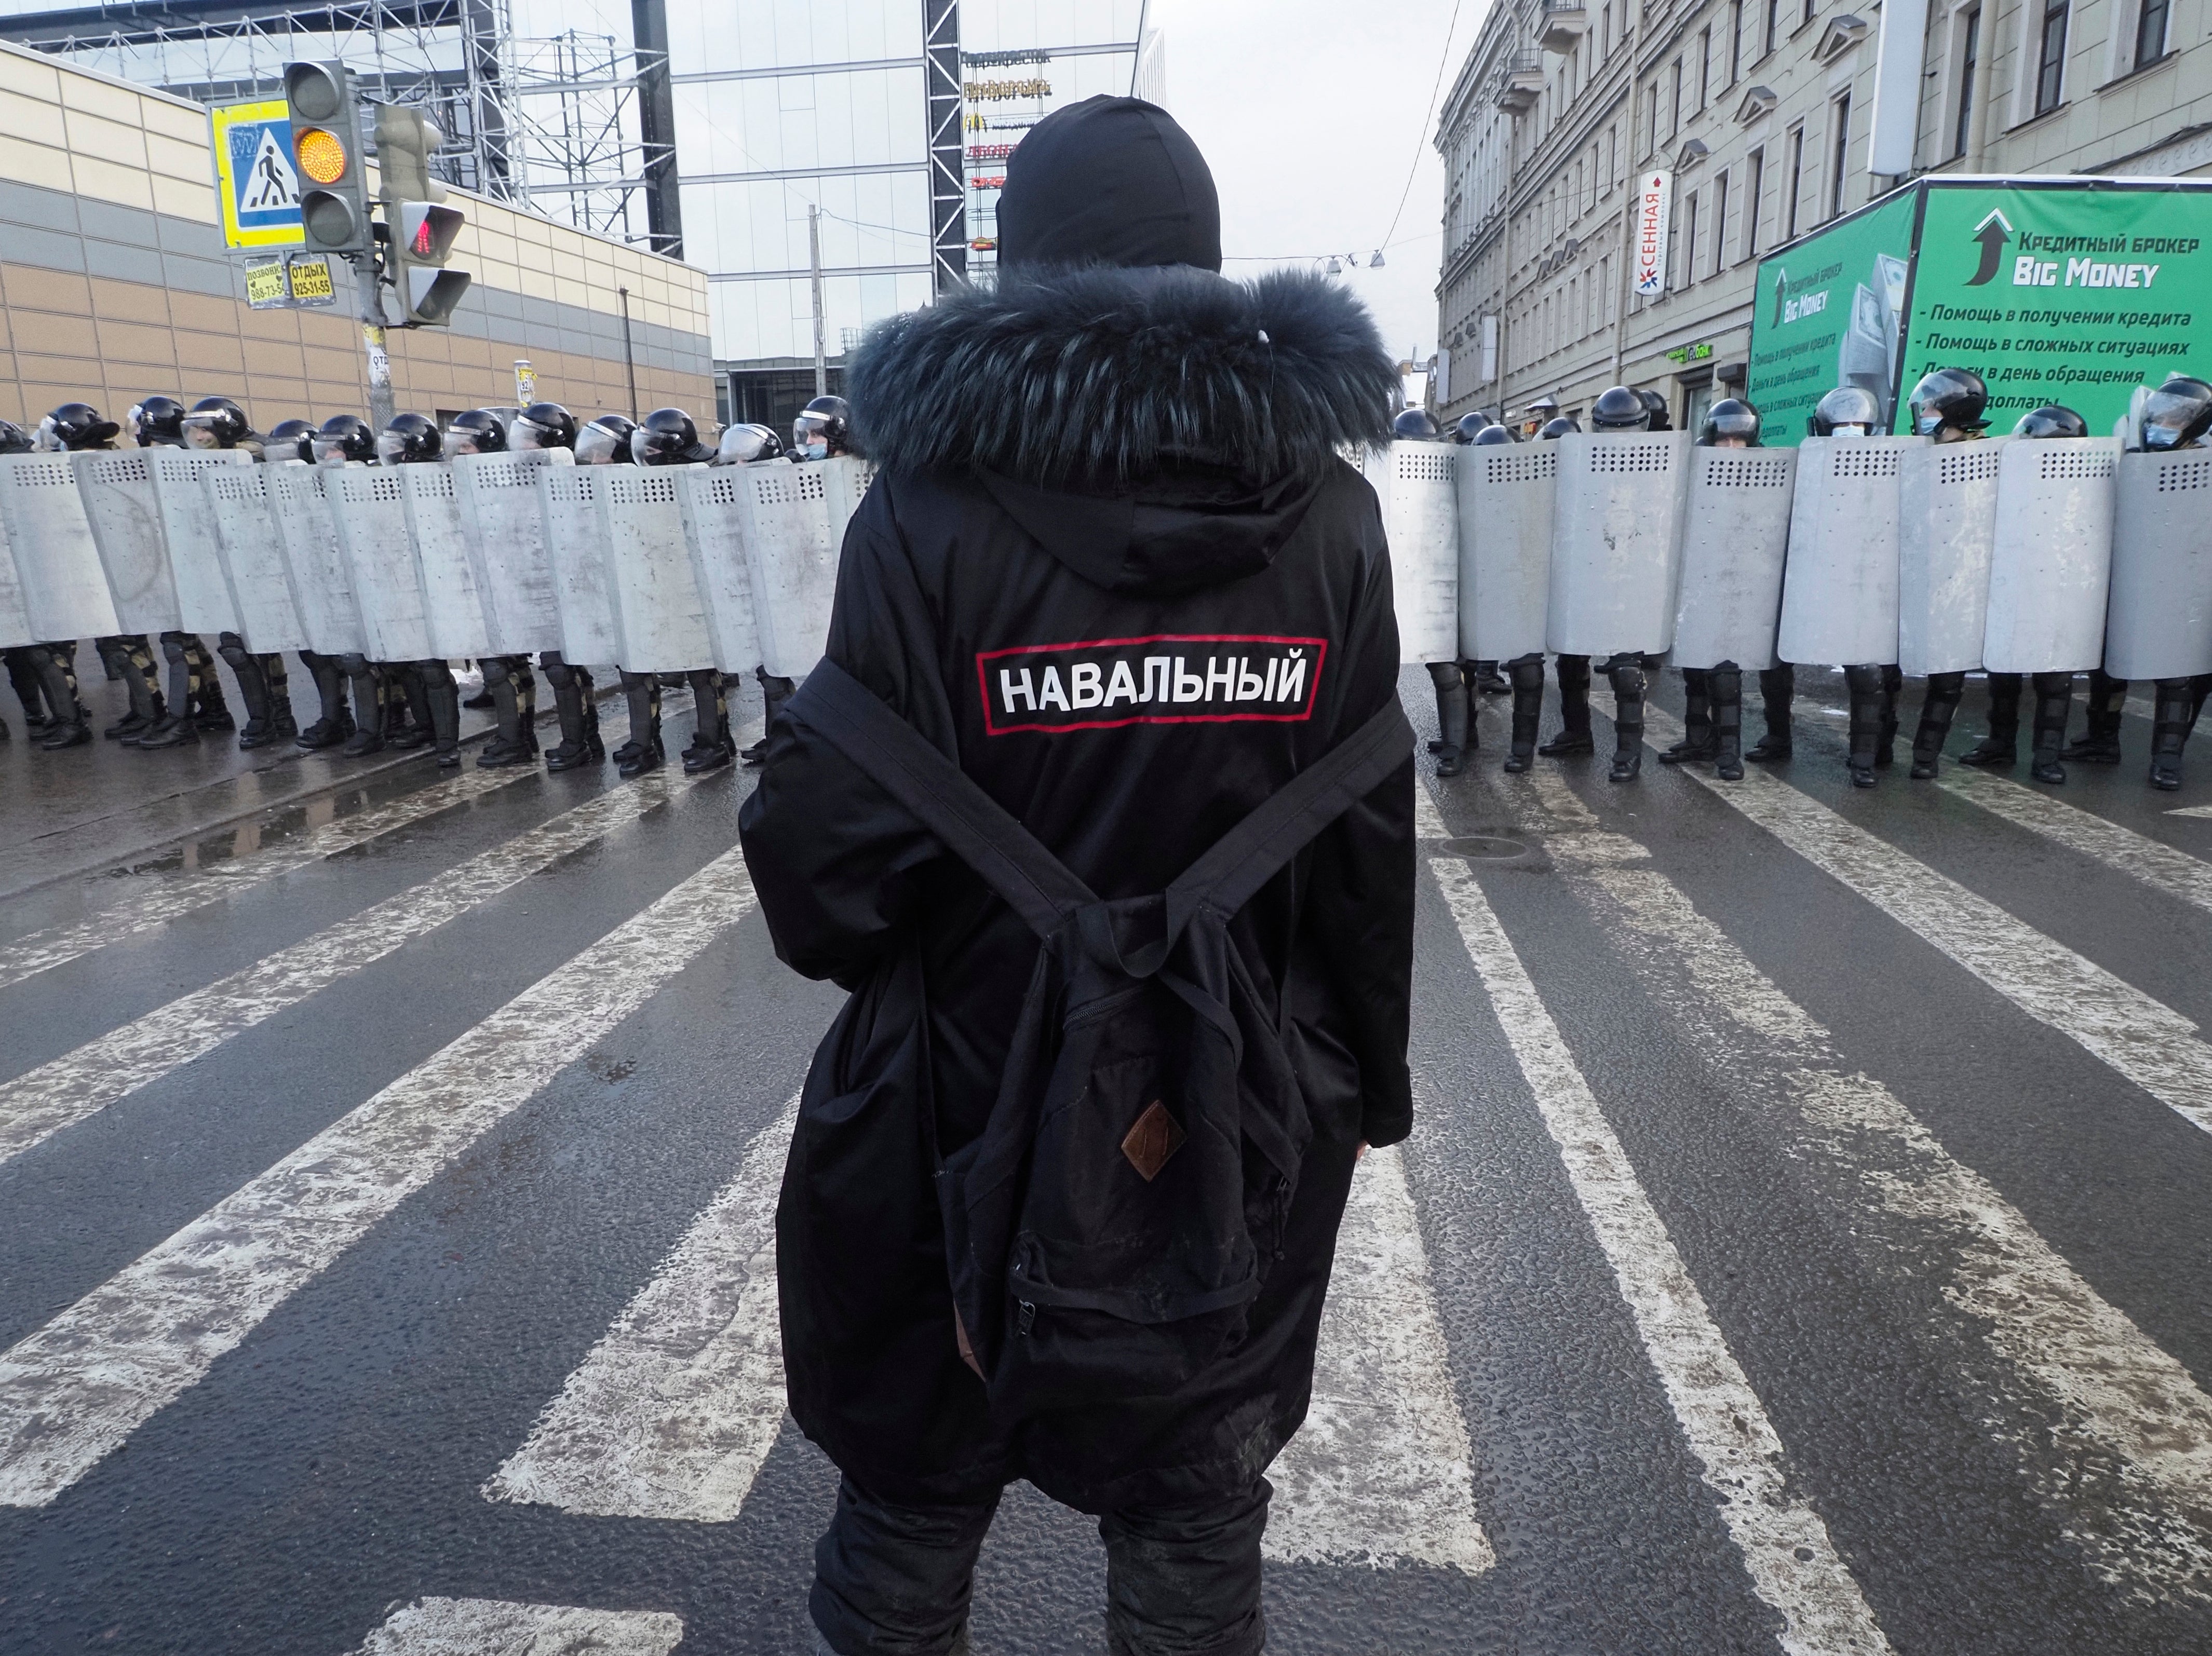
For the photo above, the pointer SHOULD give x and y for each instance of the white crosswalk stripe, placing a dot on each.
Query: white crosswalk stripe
(35, 1105)
(488, 1627)
(78, 1387)
(2144, 1040)
(2137, 855)
(1783, 1542)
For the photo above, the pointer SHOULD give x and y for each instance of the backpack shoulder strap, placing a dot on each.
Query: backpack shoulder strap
(975, 828)
(1251, 853)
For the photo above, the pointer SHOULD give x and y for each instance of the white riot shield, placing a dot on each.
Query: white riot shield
(253, 552)
(660, 620)
(2159, 624)
(576, 547)
(1421, 519)
(2053, 563)
(64, 590)
(794, 545)
(117, 485)
(453, 602)
(505, 519)
(1839, 591)
(1736, 533)
(370, 505)
(845, 480)
(204, 604)
(315, 557)
(713, 502)
(1505, 498)
(14, 613)
(1616, 523)
(1946, 527)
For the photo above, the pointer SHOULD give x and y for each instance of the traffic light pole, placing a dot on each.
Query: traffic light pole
(371, 283)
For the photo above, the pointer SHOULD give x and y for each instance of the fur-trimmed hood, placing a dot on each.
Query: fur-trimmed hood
(1102, 378)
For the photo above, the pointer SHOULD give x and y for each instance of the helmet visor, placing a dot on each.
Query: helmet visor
(391, 448)
(327, 450)
(49, 438)
(2174, 420)
(529, 434)
(598, 446)
(203, 430)
(464, 440)
(1741, 427)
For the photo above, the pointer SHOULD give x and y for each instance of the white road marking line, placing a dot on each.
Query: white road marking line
(35, 1105)
(673, 1412)
(2191, 810)
(2144, 1040)
(487, 1627)
(2155, 863)
(1382, 1471)
(1784, 1544)
(2109, 1427)
(78, 1387)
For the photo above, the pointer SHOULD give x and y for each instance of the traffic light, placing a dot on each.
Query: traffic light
(421, 230)
(326, 150)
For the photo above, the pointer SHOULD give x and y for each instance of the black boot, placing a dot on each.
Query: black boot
(1574, 736)
(128, 658)
(484, 698)
(1487, 680)
(23, 676)
(511, 743)
(1626, 673)
(1725, 687)
(1892, 686)
(1451, 717)
(1864, 685)
(2000, 749)
(373, 694)
(442, 698)
(2108, 701)
(578, 713)
(1777, 689)
(209, 711)
(408, 722)
(775, 692)
(182, 724)
(642, 692)
(1527, 673)
(1697, 741)
(333, 723)
(67, 725)
(1937, 708)
(2054, 701)
(711, 747)
(2173, 714)
(252, 690)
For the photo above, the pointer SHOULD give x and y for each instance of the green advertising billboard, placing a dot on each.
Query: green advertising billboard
(2053, 291)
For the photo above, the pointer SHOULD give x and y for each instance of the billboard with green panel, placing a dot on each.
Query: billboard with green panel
(2053, 291)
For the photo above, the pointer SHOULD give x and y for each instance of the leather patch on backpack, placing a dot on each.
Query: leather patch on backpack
(1155, 1138)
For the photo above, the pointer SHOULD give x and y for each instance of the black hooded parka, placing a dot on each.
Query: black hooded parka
(1114, 567)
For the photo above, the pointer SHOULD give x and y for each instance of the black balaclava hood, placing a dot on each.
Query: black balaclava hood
(1108, 181)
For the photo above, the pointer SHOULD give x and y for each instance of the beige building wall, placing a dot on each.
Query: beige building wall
(114, 284)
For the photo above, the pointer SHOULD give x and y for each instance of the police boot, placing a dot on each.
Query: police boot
(642, 692)
(1864, 685)
(1697, 741)
(1450, 746)
(1892, 686)
(209, 711)
(127, 659)
(1486, 679)
(442, 698)
(579, 715)
(1937, 709)
(1574, 735)
(179, 726)
(2000, 749)
(252, 690)
(409, 721)
(1777, 689)
(2172, 714)
(372, 697)
(1628, 686)
(775, 690)
(333, 723)
(23, 677)
(484, 698)
(711, 747)
(507, 746)
(1726, 688)
(2054, 701)
(282, 725)
(67, 725)
(2101, 743)
(1527, 711)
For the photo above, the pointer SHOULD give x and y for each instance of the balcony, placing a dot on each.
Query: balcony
(1564, 22)
(1519, 82)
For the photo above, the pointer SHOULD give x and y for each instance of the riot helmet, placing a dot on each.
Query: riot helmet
(1656, 406)
(2050, 420)
(668, 437)
(1491, 436)
(1618, 408)
(216, 422)
(1846, 411)
(1729, 423)
(742, 445)
(409, 440)
(344, 438)
(14, 440)
(156, 423)
(543, 425)
(1416, 426)
(605, 441)
(1559, 426)
(2176, 415)
(290, 439)
(480, 431)
(74, 426)
(1949, 397)
(1465, 429)
(825, 428)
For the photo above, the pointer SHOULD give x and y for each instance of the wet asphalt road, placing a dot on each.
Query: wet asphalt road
(1894, 1242)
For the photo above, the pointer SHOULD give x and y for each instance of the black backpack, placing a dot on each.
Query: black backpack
(1108, 1229)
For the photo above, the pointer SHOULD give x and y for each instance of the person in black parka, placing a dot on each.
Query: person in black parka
(1109, 531)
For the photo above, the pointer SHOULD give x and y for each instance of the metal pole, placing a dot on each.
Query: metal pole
(630, 353)
(814, 259)
(1628, 214)
(372, 340)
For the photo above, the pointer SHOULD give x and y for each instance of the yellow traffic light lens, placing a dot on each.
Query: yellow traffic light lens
(322, 155)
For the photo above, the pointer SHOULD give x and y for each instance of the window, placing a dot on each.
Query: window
(2150, 31)
(1796, 178)
(1651, 127)
(1843, 153)
(1811, 7)
(1969, 61)
(1735, 39)
(1720, 223)
(1704, 68)
(2051, 59)
(1773, 22)
(1688, 262)
(1674, 120)
(1754, 191)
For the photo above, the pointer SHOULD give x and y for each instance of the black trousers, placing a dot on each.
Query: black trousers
(892, 1581)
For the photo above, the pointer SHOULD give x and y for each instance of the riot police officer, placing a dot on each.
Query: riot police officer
(263, 682)
(415, 439)
(507, 679)
(550, 426)
(823, 428)
(195, 701)
(1454, 686)
(348, 439)
(747, 443)
(669, 437)
(294, 439)
(44, 674)
(1617, 409)
(75, 428)
(1712, 697)
(606, 441)
(1947, 406)
(2177, 415)
(1873, 687)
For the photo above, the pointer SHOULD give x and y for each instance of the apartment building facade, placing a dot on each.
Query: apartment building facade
(1760, 112)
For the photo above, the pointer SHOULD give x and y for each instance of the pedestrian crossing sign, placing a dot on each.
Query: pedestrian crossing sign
(256, 183)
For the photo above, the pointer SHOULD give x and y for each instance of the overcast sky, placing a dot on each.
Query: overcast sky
(1311, 113)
